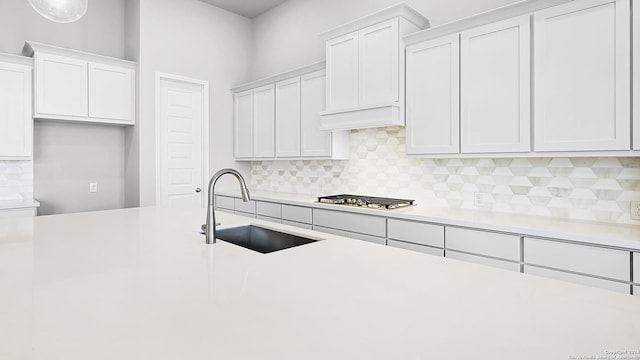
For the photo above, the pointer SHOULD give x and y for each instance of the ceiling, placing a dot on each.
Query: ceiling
(246, 8)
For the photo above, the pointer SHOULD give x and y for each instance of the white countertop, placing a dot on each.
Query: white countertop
(613, 235)
(18, 204)
(142, 284)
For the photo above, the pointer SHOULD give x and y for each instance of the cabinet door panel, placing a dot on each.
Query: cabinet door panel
(503, 246)
(110, 92)
(297, 224)
(61, 85)
(415, 247)
(16, 122)
(506, 265)
(313, 141)
(288, 118)
(363, 224)
(581, 77)
(243, 124)
(415, 232)
(432, 98)
(245, 207)
(224, 202)
(342, 72)
(636, 268)
(269, 209)
(297, 214)
(495, 87)
(378, 63)
(264, 122)
(609, 263)
(577, 279)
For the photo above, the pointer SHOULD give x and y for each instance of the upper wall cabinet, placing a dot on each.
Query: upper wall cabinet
(77, 86)
(16, 121)
(279, 118)
(364, 63)
(495, 87)
(582, 76)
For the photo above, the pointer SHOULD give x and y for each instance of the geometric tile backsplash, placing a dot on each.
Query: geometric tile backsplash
(16, 180)
(591, 189)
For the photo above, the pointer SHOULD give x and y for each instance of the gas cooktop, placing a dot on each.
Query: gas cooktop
(365, 201)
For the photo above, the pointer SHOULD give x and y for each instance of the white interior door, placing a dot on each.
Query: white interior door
(182, 111)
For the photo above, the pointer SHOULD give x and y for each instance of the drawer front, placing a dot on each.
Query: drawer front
(363, 224)
(415, 247)
(269, 218)
(242, 213)
(636, 290)
(224, 202)
(614, 264)
(246, 207)
(577, 279)
(299, 214)
(415, 232)
(269, 209)
(636, 268)
(329, 230)
(483, 243)
(369, 238)
(17, 213)
(506, 265)
(297, 224)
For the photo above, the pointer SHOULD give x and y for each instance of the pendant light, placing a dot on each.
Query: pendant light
(61, 11)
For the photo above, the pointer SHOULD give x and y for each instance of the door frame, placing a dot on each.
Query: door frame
(159, 125)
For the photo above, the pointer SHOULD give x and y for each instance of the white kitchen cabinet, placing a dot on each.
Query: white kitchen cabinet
(351, 222)
(264, 122)
(578, 279)
(297, 224)
(269, 209)
(269, 218)
(432, 100)
(224, 202)
(77, 86)
(481, 260)
(313, 141)
(110, 92)
(299, 214)
(365, 67)
(415, 247)
(342, 72)
(581, 77)
(636, 290)
(636, 77)
(589, 260)
(16, 122)
(354, 235)
(636, 267)
(495, 87)
(416, 232)
(61, 86)
(244, 206)
(243, 124)
(503, 246)
(287, 118)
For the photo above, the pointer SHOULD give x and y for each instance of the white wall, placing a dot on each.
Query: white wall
(287, 36)
(68, 156)
(196, 40)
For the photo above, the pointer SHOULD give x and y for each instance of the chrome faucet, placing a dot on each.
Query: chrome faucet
(210, 225)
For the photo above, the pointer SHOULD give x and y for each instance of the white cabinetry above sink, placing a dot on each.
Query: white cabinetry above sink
(77, 86)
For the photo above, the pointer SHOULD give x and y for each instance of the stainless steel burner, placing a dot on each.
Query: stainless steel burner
(365, 201)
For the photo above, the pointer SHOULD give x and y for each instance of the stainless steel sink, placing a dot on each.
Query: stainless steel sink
(261, 239)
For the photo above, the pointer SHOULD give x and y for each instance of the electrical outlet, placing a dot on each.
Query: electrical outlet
(635, 210)
(477, 199)
(93, 187)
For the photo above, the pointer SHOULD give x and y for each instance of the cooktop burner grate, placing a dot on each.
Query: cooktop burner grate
(365, 201)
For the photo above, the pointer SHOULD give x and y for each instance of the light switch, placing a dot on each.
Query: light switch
(93, 187)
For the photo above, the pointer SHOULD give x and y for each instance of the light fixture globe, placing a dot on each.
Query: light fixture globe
(61, 11)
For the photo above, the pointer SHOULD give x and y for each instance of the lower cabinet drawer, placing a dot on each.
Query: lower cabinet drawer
(224, 202)
(246, 207)
(636, 290)
(415, 247)
(269, 218)
(297, 224)
(329, 230)
(577, 279)
(415, 232)
(502, 246)
(358, 223)
(269, 209)
(299, 214)
(636, 268)
(591, 260)
(506, 265)
(11, 213)
(241, 213)
(357, 236)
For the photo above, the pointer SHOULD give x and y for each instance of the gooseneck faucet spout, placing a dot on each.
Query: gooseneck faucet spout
(210, 226)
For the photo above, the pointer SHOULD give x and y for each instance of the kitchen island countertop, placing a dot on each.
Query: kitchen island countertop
(142, 284)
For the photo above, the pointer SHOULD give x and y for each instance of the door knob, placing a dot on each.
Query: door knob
(198, 190)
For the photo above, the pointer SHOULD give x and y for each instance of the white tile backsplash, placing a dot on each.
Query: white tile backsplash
(16, 180)
(592, 189)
